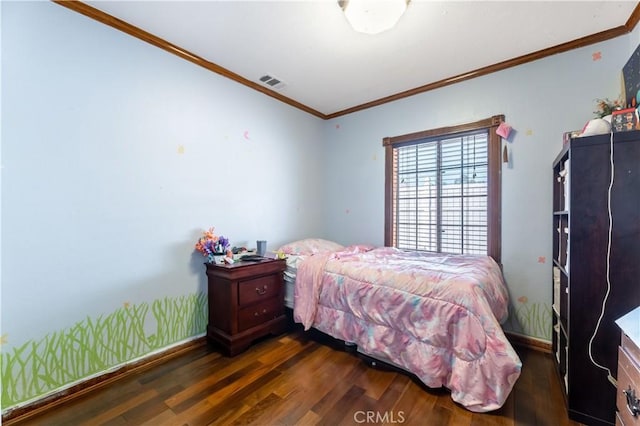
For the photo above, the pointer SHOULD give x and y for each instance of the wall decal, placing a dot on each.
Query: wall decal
(180, 149)
(504, 130)
(529, 132)
(246, 135)
(596, 56)
(531, 319)
(542, 259)
(94, 345)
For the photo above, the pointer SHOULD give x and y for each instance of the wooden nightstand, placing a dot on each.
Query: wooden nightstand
(628, 386)
(246, 301)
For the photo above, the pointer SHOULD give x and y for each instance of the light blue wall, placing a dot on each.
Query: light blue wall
(116, 155)
(541, 100)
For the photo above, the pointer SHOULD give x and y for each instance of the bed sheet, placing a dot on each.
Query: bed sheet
(289, 277)
(437, 316)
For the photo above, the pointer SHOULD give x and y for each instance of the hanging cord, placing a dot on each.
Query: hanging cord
(606, 296)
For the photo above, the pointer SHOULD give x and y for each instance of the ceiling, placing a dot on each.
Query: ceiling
(329, 70)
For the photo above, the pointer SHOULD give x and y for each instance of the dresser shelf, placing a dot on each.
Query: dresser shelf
(581, 177)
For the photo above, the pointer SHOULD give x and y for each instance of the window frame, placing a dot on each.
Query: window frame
(494, 171)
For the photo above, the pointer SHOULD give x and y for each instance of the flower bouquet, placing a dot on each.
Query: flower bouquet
(606, 107)
(212, 246)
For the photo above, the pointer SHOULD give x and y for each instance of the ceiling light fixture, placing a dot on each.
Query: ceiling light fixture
(373, 16)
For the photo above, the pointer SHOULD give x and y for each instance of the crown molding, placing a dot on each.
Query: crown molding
(105, 18)
(134, 31)
(564, 47)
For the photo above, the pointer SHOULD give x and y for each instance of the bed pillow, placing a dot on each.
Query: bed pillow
(359, 248)
(310, 246)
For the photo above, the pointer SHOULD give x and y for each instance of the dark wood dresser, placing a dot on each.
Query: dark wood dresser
(628, 393)
(246, 301)
(586, 274)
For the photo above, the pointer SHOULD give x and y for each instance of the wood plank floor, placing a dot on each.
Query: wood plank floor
(299, 379)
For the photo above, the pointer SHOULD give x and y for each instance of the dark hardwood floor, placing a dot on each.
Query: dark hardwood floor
(299, 379)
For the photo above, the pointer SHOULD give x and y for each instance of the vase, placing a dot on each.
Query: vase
(216, 258)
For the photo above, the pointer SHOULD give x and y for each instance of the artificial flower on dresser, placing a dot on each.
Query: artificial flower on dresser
(246, 298)
(213, 247)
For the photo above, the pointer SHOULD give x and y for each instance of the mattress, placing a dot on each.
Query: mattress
(436, 316)
(290, 278)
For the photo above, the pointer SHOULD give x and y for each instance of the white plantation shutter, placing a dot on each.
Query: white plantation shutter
(441, 188)
(438, 192)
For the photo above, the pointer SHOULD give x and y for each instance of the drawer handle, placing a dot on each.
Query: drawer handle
(257, 314)
(633, 404)
(262, 291)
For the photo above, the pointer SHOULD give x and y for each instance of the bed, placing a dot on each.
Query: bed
(436, 316)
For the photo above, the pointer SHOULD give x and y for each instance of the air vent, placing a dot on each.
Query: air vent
(272, 82)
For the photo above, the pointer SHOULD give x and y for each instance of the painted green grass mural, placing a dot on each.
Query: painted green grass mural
(534, 319)
(95, 345)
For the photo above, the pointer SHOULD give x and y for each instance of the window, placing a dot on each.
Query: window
(442, 190)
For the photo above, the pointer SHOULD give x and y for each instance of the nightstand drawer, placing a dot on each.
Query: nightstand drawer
(246, 302)
(619, 420)
(258, 289)
(628, 381)
(260, 313)
(630, 348)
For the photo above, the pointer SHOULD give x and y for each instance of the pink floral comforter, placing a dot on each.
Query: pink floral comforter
(437, 316)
